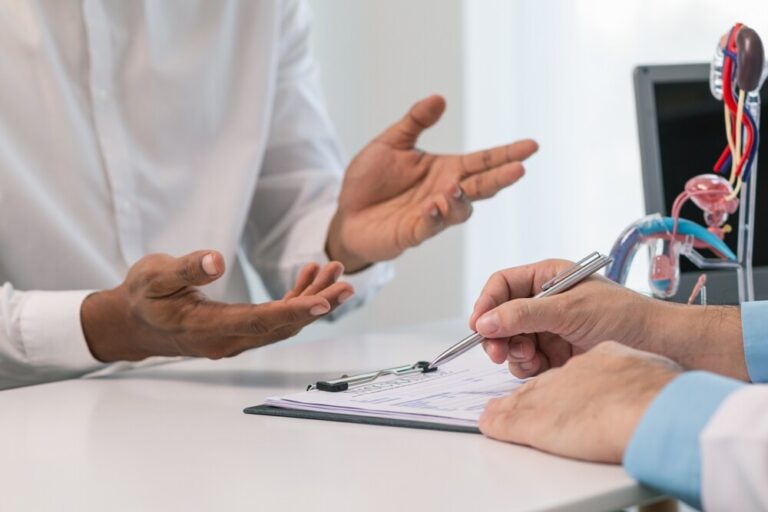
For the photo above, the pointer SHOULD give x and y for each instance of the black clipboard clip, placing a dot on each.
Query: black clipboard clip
(344, 382)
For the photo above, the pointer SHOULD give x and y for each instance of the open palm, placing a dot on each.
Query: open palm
(395, 196)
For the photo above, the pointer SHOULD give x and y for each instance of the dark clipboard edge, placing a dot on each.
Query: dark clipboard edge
(268, 410)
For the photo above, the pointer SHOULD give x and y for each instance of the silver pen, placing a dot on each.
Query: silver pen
(571, 276)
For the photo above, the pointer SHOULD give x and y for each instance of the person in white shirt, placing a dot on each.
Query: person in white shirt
(678, 395)
(132, 131)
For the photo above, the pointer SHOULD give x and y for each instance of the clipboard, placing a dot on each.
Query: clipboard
(268, 410)
(347, 381)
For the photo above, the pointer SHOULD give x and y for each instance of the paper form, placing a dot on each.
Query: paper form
(455, 394)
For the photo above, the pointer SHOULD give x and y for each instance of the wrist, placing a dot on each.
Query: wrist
(701, 338)
(644, 377)
(105, 318)
(337, 250)
(648, 387)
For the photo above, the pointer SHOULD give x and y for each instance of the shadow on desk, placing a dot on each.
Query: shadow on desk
(226, 377)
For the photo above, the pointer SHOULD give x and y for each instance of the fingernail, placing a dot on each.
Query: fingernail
(516, 350)
(209, 265)
(337, 274)
(434, 212)
(488, 323)
(457, 193)
(318, 310)
(344, 297)
(528, 365)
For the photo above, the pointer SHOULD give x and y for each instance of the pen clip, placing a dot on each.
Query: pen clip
(583, 262)
(347, 381)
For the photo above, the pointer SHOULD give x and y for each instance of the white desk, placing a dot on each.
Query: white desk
(174, 438)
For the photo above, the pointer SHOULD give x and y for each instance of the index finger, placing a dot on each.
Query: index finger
(515, 283)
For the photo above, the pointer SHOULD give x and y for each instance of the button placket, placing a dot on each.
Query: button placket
(110, 131)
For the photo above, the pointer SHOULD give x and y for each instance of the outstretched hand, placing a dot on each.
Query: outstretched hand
(395, 196)
(159, 310)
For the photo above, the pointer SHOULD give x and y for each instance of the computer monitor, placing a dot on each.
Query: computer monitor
(682, 133)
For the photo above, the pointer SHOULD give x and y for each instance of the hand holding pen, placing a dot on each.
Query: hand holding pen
(535, 334)
(560, 282)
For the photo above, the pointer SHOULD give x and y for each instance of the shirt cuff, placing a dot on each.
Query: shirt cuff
(52, 334)
(664, 452)
(754, 326)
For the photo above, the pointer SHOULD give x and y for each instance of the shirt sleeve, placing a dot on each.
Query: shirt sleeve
(296, 194)
(734, 453)
(754, 323)
(664, 452)
(41, 337)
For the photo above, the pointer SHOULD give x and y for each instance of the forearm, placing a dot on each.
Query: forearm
(699, 337)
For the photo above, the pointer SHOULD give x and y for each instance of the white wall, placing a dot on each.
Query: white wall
(561, 72)
(376, 59)
(556, 70)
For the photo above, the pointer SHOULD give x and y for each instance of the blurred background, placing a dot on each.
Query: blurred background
(559, 71)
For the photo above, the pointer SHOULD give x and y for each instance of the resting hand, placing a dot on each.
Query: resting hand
(160, 311)
(588, 409)
(395, 196)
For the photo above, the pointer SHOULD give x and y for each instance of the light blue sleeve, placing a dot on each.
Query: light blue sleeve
(754, 325)
(664, 450)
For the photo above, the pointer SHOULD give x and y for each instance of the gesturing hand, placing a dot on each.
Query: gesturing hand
(588, 409)
(395, 196)
(159, 311)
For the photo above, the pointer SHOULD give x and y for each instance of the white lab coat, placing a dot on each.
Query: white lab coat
(128, 128)
(734, 453)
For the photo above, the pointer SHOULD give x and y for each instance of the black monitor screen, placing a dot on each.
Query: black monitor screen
(691, 138)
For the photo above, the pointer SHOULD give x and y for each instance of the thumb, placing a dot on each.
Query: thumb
(166, 275)
(422, 115)
(521, 316)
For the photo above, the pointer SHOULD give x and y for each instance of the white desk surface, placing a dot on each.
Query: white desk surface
(174, 437)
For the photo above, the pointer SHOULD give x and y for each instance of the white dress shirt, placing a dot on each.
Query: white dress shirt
(128, 128)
